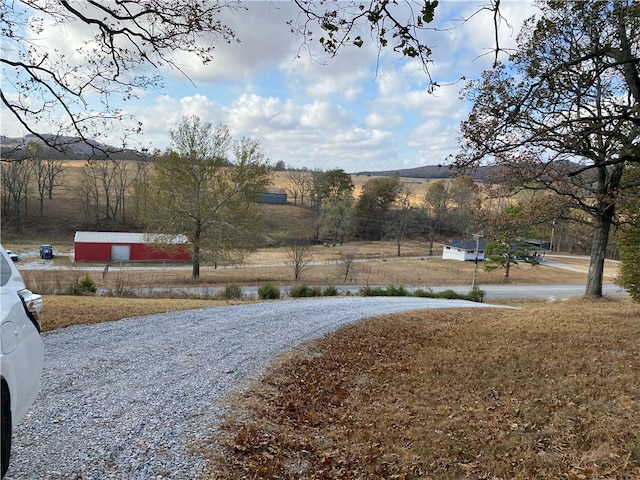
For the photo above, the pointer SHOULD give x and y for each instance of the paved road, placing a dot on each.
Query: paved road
(537, 291)
(495, 291)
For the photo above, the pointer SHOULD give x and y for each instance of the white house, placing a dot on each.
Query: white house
(463, 250)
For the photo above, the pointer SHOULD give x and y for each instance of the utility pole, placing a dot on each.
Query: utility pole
(477, 237)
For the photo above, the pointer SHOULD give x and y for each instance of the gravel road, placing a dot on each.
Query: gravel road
(124, 400)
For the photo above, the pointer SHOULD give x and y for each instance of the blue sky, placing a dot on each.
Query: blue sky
(349, 112)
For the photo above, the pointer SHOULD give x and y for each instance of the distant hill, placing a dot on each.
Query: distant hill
(74, 148)
(433, 171)
(427, 171)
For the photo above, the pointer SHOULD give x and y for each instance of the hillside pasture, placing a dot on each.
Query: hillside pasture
(66, 211)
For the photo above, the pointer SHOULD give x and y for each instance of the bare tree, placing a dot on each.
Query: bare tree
(45, 171)
(436, 204)
(298, 258)
(110, 180)
(38, 166)
(299, 185)
(88, 194)
(123, 180)
(15, 177)
(140, 189)
(53, 168)
(347, 262)
(400, 222)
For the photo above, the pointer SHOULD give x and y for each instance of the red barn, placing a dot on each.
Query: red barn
(129, 247)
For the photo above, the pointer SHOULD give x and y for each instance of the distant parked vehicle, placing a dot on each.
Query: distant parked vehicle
(46, 252)
(12, 255)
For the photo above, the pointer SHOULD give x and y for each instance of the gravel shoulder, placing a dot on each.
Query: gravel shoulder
(126, 399)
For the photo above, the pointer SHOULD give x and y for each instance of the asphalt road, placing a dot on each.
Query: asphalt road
(491, 291)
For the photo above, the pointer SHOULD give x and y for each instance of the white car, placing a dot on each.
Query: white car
(21, 351)
(13, 256)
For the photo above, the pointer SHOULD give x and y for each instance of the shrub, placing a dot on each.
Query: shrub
(476, 294)
(365, 291)
(330, 291)
(373, 292)
(429, 293)
(84, 286)
(390, 291)
(304, 290)
(268, 291)
(397, 291)
(449, 294)
(232, 292)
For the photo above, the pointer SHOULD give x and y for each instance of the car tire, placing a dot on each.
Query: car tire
(5, 430)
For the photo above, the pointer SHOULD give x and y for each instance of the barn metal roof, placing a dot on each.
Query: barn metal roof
(127, 237)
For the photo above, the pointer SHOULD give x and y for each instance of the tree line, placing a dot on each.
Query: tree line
(205, 187)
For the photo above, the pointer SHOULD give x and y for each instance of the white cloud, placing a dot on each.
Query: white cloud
(264, 41)
(255, 114)
(433, 141)
(165, 112)
(324, 116)
(383, 119)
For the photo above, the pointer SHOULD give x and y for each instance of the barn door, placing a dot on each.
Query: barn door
(120, 253)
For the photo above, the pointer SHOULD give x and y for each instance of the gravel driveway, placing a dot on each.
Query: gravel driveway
(123, 400)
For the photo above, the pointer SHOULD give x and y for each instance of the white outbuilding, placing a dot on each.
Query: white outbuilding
(463, 250)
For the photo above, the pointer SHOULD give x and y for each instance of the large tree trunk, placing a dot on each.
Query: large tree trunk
(601, 227)
(195, 272)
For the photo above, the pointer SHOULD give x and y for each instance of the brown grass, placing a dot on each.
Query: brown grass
(61, 311)
(548, 391)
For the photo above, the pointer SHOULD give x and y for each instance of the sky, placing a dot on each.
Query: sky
(359, 111)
